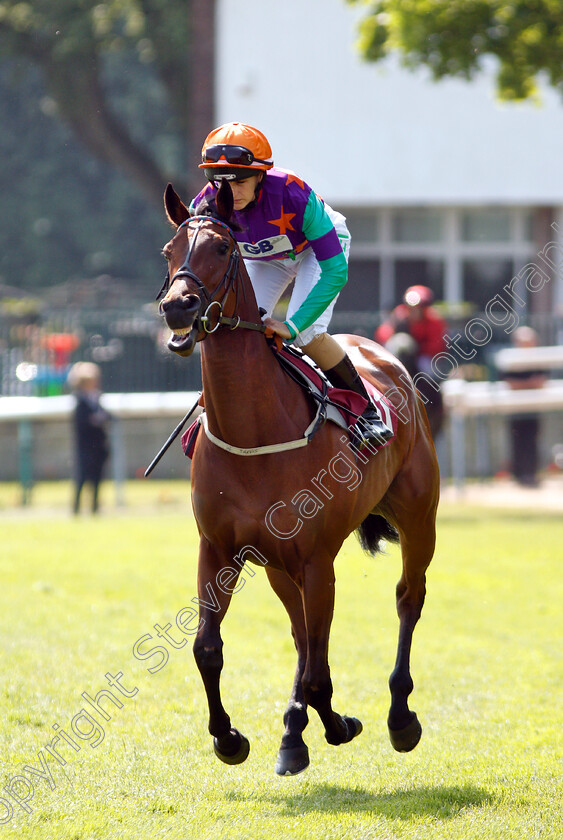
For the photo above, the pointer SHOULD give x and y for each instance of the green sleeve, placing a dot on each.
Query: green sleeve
(334, 273)
(316, 221)
(319, 230)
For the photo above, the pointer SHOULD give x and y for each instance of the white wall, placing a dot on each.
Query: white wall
(376, 134)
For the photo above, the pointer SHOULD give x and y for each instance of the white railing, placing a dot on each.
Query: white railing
(480, 399)
(27, 410)
(462, 399)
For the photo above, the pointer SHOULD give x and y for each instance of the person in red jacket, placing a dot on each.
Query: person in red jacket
(415, 333)
(418, 318)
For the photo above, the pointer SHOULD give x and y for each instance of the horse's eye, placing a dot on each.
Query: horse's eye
(223, 248)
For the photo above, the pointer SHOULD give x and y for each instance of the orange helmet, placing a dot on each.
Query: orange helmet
(238, 149)
(416, 295)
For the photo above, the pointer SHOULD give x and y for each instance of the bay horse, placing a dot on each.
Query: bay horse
(248, 470)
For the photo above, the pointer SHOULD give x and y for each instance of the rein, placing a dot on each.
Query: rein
(202, 321)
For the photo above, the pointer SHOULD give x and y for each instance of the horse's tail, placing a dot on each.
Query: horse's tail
(373, 529)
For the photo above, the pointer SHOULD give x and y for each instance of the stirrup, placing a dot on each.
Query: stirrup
(370, 429)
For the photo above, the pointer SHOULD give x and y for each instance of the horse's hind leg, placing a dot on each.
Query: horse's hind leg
(293, 756)
(229, 744)
(417, 546)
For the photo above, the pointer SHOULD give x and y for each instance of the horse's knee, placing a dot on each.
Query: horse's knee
(209, 659)
(295, 716)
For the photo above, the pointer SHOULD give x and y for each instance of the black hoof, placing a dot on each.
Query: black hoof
(354, 727)
(232, 748)
(405, 740)
(292, 761)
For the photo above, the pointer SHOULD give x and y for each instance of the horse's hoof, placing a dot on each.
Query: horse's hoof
(405, 740)
(234, 747)
(354, 727)
(292, 761)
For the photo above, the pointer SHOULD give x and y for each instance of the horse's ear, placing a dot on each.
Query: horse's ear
(176, 210)
(225, 201)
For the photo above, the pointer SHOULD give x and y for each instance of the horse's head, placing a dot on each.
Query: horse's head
(200, 290)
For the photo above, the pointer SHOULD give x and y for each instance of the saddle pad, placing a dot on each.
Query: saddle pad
(189, 438)
(350, 404)
(345, 414)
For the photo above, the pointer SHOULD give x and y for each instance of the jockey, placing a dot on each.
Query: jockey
(287, 233)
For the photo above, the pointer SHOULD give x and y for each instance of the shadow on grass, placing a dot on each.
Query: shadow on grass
(440, 802)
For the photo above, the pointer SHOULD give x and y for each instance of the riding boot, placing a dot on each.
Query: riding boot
(370, 426)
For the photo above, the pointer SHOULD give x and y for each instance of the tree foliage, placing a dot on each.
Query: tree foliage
(66, 215)
(78, 47)
(94, 104)
(451, 38)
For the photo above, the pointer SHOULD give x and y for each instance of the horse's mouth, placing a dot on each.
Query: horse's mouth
(182, 341)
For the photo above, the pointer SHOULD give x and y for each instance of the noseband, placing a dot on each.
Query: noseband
(209, 298)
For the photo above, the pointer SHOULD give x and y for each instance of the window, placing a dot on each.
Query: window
(528, 225)
(484, 278)
(485, 225)
(362, 225)
(417, 225)
(361, 292)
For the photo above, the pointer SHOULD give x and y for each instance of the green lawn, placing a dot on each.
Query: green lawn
(76, 595)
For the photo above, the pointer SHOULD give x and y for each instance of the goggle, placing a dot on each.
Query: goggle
(235, 155)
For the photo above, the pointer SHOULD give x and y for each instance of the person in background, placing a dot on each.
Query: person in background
(416, 317)
(90, 423)
(525, 427)
(415, 333)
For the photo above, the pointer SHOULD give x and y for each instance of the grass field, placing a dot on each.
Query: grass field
(77, 594)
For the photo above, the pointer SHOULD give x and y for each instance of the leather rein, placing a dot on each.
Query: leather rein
(202, 322)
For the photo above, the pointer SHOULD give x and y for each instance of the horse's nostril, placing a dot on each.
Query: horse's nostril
(182, 301)
(189, 301)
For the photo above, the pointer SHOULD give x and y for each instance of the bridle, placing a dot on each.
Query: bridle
(210, 299)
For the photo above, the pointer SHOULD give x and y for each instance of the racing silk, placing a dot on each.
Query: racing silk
(286, 220)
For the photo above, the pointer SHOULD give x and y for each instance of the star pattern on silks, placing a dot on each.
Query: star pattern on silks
(291, 176)
(284, 221)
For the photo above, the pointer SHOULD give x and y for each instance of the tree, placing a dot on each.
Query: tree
(451, 38)
(101, 103)
(65, 214)
(77, 46)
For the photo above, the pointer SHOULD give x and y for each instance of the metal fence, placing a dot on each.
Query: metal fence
(130, 349)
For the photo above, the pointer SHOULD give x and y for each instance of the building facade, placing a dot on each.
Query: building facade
(441, 183)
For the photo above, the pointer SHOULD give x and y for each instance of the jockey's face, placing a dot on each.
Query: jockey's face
(243, 191)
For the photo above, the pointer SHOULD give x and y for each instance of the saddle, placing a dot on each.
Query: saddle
(337, 405)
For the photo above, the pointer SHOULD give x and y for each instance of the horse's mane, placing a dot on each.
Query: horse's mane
(219, 206)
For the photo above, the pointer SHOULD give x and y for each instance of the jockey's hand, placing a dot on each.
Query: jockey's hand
(277, 327)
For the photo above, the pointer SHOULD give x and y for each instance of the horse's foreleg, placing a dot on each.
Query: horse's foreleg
(318, 603)
(404, 727)
(293, 756)
(215, 588)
